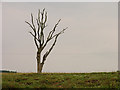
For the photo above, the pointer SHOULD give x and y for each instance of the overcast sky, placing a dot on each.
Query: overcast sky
(89, 44)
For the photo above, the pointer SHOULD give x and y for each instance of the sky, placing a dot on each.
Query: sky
(0, 35)
(0, 44)
(90, 44)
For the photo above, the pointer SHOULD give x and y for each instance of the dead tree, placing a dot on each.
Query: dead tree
(39, 37)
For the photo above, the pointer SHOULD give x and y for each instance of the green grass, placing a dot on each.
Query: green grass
(60, 80)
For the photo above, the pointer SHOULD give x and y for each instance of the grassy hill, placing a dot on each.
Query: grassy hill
(60, 80)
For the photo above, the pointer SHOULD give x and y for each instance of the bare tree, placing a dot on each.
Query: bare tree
(39, 37)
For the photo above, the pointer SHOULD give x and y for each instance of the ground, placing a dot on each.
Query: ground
(60, 80)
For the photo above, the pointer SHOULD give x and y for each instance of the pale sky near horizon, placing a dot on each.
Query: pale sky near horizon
(89, 44)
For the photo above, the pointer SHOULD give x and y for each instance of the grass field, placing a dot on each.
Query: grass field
(60, 80)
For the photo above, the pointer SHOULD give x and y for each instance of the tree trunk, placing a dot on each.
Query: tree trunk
(38, 67)
(38, 61)
(41, 66)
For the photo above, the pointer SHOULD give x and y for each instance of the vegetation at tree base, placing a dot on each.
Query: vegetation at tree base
(61, 80)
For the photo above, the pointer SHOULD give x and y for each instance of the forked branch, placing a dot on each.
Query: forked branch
(34, 29)
(50, 35)
(48, 52)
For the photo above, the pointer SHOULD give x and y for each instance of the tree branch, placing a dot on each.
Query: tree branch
(42, 24)
(35, 39)
(38, 23)
(59, 32)
(48, 52)
(29, 25)
(33, 22)
(45, 18)
(34, 36)
(48, 39)
(52, 32)
(42, 14)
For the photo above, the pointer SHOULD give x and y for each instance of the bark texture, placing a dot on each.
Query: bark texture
(39, 37)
